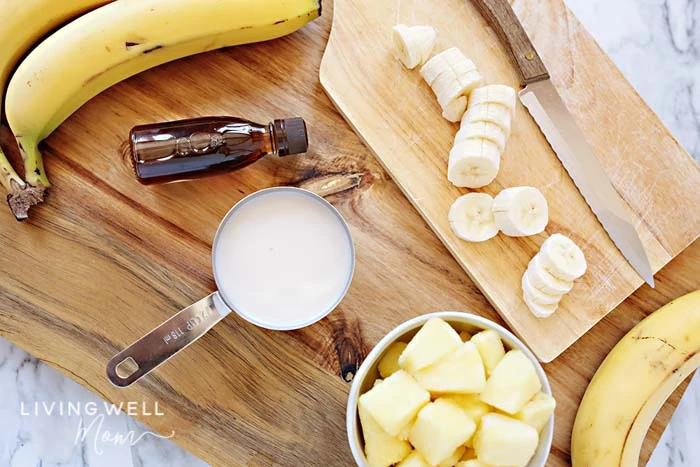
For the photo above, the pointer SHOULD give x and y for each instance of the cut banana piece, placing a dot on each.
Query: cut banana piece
(450, 85)
(521, 211)
(494, 94)
(450, 59)
(471, 217)
(541, 311)
(473, 163)
(537, 296)
(543, 280)
(493, 113)
(483, 130)
(561, 257)
(455, 109)
(413, 44)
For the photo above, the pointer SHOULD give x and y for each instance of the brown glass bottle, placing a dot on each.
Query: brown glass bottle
(187, 149)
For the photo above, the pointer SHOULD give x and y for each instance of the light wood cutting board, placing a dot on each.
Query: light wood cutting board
(105, 259)
(395, 113)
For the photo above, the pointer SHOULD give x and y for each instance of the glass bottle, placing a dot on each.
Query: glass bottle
(187, 149)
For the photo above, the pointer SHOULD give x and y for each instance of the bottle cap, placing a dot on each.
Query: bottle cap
(292, 136)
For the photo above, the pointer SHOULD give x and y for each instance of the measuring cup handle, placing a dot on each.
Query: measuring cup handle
(185, 327)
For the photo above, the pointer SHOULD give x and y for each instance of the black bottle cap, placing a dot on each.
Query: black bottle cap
(292, 132)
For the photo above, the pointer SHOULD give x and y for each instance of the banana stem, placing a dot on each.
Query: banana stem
(33, 163)
(20, 195)
(8, 174)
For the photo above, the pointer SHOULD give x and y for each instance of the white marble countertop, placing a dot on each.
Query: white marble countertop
(656, 44)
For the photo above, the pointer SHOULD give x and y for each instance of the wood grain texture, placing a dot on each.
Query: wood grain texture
(398, 117)
(105, 260)
(502, 19)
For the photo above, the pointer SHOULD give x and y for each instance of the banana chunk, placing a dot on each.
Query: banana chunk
(455, 109)
(493, 113)
(537, 296)
(562, 258)
(543, 280)
(471, 217)
(473, 163)
(413, 44)
(521, 211)
(483, 130)
(494, 94)
(450, 59)
(451, 85)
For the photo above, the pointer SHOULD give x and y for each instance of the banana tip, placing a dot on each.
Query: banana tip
(21, 199)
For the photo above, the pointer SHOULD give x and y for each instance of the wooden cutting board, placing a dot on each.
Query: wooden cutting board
(395, 113)
(106, 259)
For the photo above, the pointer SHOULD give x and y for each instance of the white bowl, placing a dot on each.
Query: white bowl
(368, 373)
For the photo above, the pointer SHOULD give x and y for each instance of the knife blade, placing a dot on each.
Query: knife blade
(569, 143)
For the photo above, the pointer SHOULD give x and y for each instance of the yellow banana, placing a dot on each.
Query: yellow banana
(122, 39)
(24, 23)
(632, 384)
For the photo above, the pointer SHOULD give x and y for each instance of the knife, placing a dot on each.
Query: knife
(545, 105)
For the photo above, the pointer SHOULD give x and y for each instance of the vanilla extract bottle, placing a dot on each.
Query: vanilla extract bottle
(193, 148)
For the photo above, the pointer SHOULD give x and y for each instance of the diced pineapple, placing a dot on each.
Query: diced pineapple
(376, 382)
(473, 463)
(394, 402)
(465, 336)
(459, 372)
(472, 405)
(513, 382)
(490, 347)
(502, 440)
(454, 458)
(389, 364)
(536, 413)
(406, 431)
(381, 449)
(431, 343)
(414, 460)
(441, 427)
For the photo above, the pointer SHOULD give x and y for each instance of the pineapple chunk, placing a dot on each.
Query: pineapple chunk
(389, 364)
(395, 402)
(465, 336)
(459, 372)
(490, 347)
(513, 382)
(376, 382)
(441, 427)
(503, 440)
(406, 431)
(454, 458)
(472, 405)
(414, 460)
(431, 343)
(381, 449)
(536, 413)
(472, 463)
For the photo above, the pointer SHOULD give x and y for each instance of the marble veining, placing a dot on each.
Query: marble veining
(655, 43)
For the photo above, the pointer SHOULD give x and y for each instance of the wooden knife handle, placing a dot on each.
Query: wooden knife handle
(502, 19)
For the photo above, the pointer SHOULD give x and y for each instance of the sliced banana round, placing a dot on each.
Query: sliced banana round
(494, 94)
(493, 113)
(537, 296)
(449, 59)
(450, 85)
(413, 44)
(473, 163)
(541, 311)
(521, 211)
(562, 257)
(471, 217)
(544, 281)
(483, 130)
(455, 109)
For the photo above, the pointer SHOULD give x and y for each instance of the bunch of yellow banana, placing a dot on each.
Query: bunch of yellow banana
(24, 23)
(108, 45)
(632, 384)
